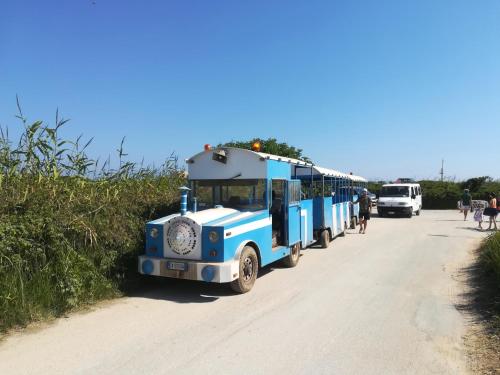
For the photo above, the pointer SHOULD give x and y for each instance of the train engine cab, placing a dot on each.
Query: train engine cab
(241, 211)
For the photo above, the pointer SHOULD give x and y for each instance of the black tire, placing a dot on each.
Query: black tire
(292, 259)
(353, 222)
(324, 239)
(418, 212)
(410, 214)
(381, 214)
(249, 267)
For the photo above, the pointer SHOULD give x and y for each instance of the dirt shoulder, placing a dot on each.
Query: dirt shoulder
(482, 307)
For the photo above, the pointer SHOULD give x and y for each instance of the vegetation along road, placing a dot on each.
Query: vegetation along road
(381, 303)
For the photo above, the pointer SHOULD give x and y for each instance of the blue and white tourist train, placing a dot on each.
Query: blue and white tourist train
(244, 210)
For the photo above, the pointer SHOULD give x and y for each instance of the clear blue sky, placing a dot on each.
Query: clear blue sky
(380, 88)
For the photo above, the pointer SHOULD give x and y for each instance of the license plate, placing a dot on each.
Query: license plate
(177, 266)
(392, 212)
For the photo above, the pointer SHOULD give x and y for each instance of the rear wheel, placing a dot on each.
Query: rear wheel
(293, 258)
(324, 239)
(249, 266)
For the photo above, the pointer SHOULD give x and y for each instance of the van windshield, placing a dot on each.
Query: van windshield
(395, 191)
(247, 195)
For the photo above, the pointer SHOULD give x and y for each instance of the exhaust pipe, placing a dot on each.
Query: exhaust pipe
(184, 199)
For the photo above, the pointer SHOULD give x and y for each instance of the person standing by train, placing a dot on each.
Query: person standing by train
(466, 203)
(365, 205)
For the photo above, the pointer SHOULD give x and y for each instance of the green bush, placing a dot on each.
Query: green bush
(445, 194)
(490, 257)
(70, 228)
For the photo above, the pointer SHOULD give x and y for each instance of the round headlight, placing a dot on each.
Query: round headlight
(154, 232)
(213, 236)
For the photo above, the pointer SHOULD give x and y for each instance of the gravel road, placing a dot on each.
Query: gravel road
(379, 303)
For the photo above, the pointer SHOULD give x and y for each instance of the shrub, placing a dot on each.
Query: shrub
(490, 257)
(71, 228)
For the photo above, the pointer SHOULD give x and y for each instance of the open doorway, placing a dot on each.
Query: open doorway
(277, 211)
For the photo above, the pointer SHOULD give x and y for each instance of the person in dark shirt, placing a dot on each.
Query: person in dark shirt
(365, 205)
(466, 202)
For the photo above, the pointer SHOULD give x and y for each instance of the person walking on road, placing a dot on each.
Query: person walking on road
(466, 203)
(365, 205)
(478, 208)
(492, 211)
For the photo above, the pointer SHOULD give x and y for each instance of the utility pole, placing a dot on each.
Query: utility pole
(442, 170)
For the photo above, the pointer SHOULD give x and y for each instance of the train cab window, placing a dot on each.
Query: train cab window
(247, 195)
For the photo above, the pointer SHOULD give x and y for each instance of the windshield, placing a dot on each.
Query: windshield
(395, 191)
(247, 195)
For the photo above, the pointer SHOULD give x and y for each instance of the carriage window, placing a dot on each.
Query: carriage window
(293, 192)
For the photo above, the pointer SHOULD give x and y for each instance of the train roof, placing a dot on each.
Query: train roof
(260, 154)
(357, 178)
(202, 166)
(237, 163)
(328, 172)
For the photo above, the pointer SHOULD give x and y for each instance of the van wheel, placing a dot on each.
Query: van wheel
(353, 223)
(325, 239)
(292, 259)
(418, 212)
(249, 267)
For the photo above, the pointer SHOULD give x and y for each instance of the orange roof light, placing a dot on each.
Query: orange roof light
(256, 146)
(207, 147)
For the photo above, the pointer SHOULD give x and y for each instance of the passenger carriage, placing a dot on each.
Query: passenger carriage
(331, 195)
(244, 210)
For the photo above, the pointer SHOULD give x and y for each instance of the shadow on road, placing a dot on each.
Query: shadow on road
(480, 299)
(185, 291)
(474, 229)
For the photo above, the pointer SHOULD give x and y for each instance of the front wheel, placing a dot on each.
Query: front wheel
(418, 212)
(292, 259)
(249, 266)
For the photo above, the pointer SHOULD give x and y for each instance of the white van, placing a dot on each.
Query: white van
(402, 199)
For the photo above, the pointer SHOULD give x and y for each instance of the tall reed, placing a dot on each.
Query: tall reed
(71, 226)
